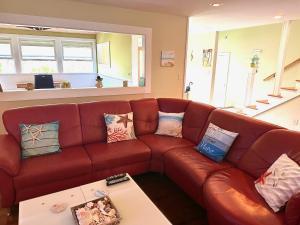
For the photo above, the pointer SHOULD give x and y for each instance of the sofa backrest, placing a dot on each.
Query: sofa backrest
(267, 150)
(172, 105)
(92, 119)
(194, 121)
(66, 114)
(145, 115)
(249, 130)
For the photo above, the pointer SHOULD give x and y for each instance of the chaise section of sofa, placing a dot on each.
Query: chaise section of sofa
(235, 186)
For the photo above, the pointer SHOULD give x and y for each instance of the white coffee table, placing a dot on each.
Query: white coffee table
(132, 203)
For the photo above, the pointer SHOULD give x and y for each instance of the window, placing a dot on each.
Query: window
(78, 57)
(38, 56)
(7, 63)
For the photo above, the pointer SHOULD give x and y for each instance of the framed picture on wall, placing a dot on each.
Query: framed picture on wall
(103, 54)
(206, 57)
(167, 59)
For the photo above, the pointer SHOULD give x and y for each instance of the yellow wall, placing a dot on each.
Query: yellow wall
(241, 43)
(120, 53)
(168, 33)
(196, 72)
(46, 33)
(293, 53)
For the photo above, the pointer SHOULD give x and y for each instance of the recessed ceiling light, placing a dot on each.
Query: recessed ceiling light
(278, 17)
(216, 4)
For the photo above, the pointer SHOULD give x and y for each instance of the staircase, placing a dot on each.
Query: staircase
(270, 101)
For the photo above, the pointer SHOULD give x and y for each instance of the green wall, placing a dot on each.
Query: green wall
(120, 53)
(242, 43)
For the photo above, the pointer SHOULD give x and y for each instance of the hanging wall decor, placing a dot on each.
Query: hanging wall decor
(167, 59)
(207, 57)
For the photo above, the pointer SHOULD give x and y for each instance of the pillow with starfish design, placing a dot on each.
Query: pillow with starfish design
(119, 127)
(280, 182)
(39, 139)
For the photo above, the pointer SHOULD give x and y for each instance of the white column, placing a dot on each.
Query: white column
(281, 57)
(250, 85)
(214, 64)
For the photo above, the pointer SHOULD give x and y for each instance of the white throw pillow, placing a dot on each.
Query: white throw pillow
(170, 124)
(280, 182)
(119, 127)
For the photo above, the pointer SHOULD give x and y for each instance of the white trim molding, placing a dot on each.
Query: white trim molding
(8, 18)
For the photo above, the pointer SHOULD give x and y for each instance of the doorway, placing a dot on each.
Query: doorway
(221, 79)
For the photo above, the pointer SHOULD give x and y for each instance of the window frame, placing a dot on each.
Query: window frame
(10, 41)
(16, 39)
(84, 25)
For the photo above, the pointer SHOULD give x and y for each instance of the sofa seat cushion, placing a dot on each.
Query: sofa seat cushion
(69, 163)
(231, 198)
(107, 156)
(190, 169)
(160, 144)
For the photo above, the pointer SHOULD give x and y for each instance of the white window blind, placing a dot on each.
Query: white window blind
(37, 49)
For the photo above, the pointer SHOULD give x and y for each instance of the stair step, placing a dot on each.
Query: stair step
(275, 96)
(289, 88)
(254, 107)
(263, 101)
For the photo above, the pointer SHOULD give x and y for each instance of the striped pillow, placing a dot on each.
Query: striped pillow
(216, 142)
(39, 139)
(170, 124)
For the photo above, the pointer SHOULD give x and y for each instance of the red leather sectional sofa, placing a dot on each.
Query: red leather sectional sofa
(225, 189)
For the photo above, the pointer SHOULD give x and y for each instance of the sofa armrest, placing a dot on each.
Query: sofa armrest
(292, 210)
(9, 155)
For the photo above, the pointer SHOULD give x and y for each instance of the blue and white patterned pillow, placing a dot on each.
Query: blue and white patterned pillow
(39, 139)
(170, 124)
(216, 142)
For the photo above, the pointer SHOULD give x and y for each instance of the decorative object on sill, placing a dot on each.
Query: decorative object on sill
(29, 86)
(65, 84)
(207, 57)
(1, 90)
(125, 83)
(99, 83)
(167, 59)
(142, 82)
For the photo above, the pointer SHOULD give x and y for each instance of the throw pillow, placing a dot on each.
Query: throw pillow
(39, 139)
(170, 124)
(119, 127)
(216, 142)
(280, 182)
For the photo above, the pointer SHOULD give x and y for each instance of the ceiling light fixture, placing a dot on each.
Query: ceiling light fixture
(278, 17)
(216, 4)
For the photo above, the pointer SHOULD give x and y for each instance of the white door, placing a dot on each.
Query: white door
(221, 79)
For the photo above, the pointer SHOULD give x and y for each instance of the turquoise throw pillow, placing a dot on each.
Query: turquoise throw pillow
(39, 139)
(216, 142)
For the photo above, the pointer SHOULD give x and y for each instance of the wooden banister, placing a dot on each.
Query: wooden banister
(287, 67)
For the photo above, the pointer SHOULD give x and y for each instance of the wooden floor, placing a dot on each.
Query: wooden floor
(173, 203)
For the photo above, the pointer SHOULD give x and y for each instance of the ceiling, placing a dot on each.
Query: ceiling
(232, 14)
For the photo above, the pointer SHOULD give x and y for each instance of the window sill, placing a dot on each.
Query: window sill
(19, 95)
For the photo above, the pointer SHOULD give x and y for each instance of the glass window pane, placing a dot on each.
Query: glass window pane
(7, 66)
(5, 50)
(78, 66)
(37, 50)
(31, 66)
(77, 51)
